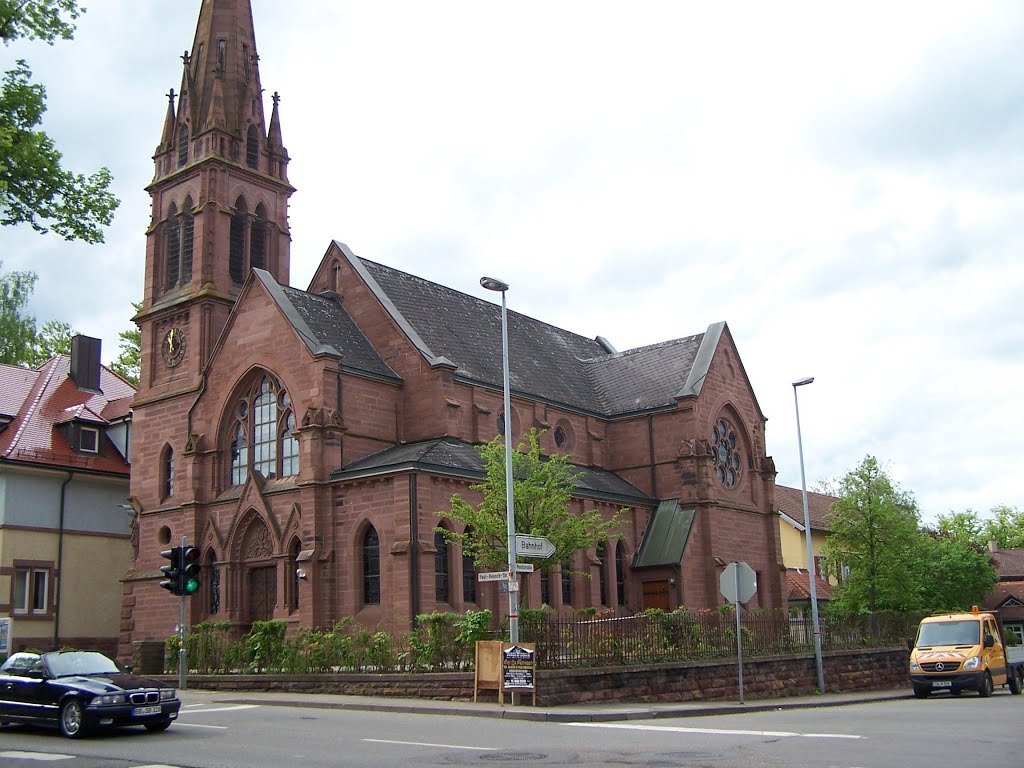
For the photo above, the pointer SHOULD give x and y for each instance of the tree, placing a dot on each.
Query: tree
(17, 329)
(542, 491)
(54, 338)
(874, 531)
(952, 573)
(1005, 527)
(34, 188)
(129, 362)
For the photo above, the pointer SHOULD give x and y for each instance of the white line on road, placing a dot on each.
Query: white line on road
(428, 744)
(223, 709)
(717, 731)
(179, 724)
(42, 756)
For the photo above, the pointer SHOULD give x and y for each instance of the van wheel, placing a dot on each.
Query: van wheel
(1016, 681)
(921, 692)
(985, 689)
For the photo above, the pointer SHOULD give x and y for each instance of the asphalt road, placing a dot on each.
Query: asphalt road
(936, 732)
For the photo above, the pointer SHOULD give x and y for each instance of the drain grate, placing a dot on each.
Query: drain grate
(513, 756)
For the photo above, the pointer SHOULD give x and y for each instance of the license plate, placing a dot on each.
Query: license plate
(942, 684)
(143, 711)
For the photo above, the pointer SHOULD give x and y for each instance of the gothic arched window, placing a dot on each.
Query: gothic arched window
(167, 472)
(187, 236)
(603, 572)
(249, 240)
(468, 576)
(371, 567)
(566, 586)
(442, 564)
(213, 582)
(620, 577)
(261, 435)
(293, 569)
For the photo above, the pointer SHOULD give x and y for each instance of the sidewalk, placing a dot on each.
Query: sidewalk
(573, 713)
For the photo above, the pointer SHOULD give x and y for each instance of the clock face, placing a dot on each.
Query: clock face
(173, 347)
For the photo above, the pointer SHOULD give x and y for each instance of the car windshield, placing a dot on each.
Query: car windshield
(965, 632)
(79, 663)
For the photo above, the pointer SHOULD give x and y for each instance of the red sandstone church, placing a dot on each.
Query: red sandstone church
(306, 439)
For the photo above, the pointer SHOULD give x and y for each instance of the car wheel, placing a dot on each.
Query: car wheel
(1016, 681)
(159, 725)
(72, 719)
(985, 689)
(921, 692)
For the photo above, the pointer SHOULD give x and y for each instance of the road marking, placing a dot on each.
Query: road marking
(179, 724)
(42, 756)
(223, 709)
(428, 744)
(717, 731)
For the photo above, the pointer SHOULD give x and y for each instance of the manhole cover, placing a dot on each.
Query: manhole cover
(510, 756)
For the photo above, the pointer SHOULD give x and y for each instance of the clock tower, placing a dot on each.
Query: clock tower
(219, 195)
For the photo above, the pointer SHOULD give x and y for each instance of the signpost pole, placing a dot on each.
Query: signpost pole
(182, 636)
(739, 633)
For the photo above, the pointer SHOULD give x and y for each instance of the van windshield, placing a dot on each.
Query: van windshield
(967, 632)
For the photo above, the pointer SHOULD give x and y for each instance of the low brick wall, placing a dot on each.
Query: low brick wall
(706, 680)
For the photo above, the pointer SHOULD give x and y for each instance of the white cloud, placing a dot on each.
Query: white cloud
(842, 186)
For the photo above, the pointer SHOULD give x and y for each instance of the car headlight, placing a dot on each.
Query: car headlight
(972, 663)
(166, 694)
(914, 666)
(108, 699)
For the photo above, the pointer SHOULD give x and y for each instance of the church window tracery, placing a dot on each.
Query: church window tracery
(249, 237)
(371, 567)
(725, 452)
(262, 436)
(179, 233)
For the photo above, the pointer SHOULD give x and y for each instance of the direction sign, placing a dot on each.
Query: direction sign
(534, 546)
(493, 576)
(738, 582)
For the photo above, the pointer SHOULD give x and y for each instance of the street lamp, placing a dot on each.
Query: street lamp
(493, 284)
(810, 549)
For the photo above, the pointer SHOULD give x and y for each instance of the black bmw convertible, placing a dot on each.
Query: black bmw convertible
(78, 691)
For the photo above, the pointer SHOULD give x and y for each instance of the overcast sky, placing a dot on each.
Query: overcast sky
(843, 186)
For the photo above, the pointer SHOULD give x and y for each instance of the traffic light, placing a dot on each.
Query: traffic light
(189, 570)
(173, 571)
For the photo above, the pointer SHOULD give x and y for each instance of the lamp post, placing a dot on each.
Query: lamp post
(493, 284)
(810, 548)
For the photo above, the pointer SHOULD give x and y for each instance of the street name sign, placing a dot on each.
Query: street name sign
(493, 576)
(534, 546)
(524, 567)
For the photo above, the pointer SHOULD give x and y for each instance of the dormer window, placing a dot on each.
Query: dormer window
(89, 440)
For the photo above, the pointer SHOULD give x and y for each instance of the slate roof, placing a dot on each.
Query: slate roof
(447, 455)
(819, 505)
(44, 398)
(545, 362)
(1009, 564)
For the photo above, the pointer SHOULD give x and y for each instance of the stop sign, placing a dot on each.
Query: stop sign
(738, 582)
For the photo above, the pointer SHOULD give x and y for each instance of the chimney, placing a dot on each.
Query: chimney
(993, 546)
(85, 362)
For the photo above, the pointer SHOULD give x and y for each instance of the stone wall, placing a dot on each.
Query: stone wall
(708, 680)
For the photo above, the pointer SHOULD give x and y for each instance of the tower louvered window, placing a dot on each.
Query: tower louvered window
(182, 146)
(187, 236)
(258, 247)
(236, 255)
(173, 262)
(252, 148)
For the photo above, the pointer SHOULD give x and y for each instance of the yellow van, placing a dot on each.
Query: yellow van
(964, 651)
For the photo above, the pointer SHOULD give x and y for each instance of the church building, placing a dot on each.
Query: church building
(305, 440)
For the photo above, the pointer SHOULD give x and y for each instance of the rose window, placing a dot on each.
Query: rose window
(725, 453)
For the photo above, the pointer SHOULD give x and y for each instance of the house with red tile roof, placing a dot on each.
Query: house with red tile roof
(792, 537)
(1008, 595)
(65, 530)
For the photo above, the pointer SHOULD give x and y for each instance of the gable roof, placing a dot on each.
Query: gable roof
(790, 502)
(46, 398)
(798, 586)
(546, 363)
(449, 456)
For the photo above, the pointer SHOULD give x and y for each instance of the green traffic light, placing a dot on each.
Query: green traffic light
(191, 586)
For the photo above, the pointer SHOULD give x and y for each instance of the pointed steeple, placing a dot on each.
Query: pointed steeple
(278, 154)
(167, 137)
